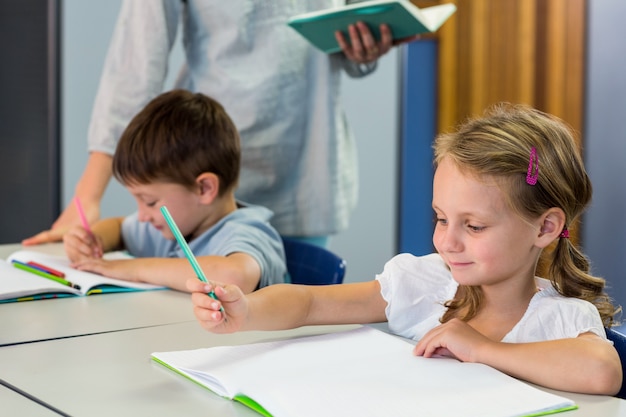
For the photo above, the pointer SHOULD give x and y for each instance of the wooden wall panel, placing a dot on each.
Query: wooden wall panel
(520, 51)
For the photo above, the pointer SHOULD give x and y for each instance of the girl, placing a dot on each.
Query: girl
(505, 187)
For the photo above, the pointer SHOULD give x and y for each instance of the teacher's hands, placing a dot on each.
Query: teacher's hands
(68, 219)
(362, 47)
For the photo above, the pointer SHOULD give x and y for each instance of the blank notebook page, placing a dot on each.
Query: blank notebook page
(361, 372)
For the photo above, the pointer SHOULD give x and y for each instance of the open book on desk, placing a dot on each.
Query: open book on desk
(361, 372)
(403, 18)
(23, 285)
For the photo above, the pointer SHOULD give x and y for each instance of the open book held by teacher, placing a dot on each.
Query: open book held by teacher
(22, 278)
(403, 18)
(361, 372)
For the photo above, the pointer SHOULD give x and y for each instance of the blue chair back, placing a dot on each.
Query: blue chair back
(312, 265)
(619, 341)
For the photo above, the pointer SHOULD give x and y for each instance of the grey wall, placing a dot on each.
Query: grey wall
(371, 104)
(373, 108)
(86, 29)
(29, 110)
(604, 227)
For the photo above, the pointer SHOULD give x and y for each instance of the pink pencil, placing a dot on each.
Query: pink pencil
(81, 213)
(85, 223)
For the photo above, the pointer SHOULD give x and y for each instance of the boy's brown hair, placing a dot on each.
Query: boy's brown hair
(176, 137)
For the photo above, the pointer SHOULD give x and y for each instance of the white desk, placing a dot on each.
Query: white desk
(112, 374)
(30, 321)
(38, 320)
(52, 248)
(13, 403)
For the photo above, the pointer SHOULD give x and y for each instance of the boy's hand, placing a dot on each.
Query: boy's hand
(80, 244)
(118, 269)
(207, 309)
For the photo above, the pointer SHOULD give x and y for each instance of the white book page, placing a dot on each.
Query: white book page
(343, 7)
(433, 17)
(86, 280)
(361, 372)
(15, 283)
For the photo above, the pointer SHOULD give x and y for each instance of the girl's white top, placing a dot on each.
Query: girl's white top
(416, 288)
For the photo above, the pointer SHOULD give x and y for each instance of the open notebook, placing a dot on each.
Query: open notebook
(403, 18)
(20, 285)
(361, 372)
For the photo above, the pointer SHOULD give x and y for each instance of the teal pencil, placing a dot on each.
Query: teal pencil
(185, 247)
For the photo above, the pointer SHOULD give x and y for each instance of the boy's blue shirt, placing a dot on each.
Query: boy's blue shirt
(245, 230)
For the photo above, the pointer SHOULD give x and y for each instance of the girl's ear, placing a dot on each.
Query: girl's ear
(208, 186)
(551, 225)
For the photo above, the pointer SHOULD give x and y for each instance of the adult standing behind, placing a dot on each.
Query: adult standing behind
(298, 155)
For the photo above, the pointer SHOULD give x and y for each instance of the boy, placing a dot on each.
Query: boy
(182, 151)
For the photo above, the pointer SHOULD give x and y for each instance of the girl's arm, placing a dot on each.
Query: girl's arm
(109, 232)
(586, 364)
(286, 306)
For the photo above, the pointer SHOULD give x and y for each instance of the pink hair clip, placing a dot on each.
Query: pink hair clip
(565, 233)
(533, 167)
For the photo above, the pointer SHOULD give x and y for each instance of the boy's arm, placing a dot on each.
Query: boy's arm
(110, 233)
(239, 269)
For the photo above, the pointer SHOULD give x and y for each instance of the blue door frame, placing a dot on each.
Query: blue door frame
(418, 129)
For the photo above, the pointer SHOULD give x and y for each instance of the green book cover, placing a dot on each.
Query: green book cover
(403, 18)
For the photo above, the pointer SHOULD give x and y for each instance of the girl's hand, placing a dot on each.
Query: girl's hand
(79, 245)
(230, 298)
(454, 338)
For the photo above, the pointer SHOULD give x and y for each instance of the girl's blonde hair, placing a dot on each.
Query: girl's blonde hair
(499, 145)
